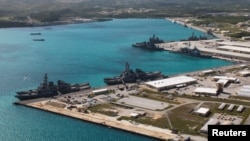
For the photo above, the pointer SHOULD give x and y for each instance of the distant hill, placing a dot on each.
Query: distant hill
(53, 10)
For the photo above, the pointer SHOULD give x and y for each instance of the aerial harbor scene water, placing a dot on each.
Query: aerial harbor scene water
(120, 79)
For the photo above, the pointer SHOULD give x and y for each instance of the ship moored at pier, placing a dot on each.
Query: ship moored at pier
(130, 76)
(49, 89)
(150, 44)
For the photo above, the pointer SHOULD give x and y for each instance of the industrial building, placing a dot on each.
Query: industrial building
(239, 44)
(224, 82)
(244, 73)
(244, 91)
(235, 49)
(211, 121)
(202, 111)
(240, 108)
(230, 79)
(206, 72)
(206, 91)
(169, 83)
(224, 53)
(100, 91)
(231, 107)
(222, 106)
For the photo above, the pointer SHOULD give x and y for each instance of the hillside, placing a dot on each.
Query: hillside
(22, 11)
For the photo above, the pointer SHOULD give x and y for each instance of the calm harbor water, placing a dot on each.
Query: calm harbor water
(80, 53)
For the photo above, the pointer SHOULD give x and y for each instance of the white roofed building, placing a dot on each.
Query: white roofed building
(202, 111)
(231, 107)
(205, 72)
(235, 49)
(244, 73)
(169, 83)
(223, 81)
(240, 108)
(231, 79)
(212, 121)
(206, 91)
(244, 91)
(222, 106)
(100, 91)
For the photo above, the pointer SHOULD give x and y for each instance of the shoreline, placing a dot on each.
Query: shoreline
(99, 119)
(112, 122)
(102, 120)
(55, 23)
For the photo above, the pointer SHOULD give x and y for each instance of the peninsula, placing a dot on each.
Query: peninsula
(179, 107)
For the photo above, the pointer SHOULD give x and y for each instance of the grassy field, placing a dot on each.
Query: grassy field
(161, 122)
(184, 121)
(156, 96)
(105, 109)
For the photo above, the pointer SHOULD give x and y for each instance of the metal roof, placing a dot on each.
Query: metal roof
(244, 91)
(171, 81)
(206, 90)
(234, 48)
(240, 44)
(227, 53)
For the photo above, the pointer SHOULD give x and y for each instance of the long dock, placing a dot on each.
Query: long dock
(110, 122)
(210, 47)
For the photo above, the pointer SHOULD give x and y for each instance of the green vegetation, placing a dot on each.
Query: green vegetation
(240, 34)
(184, 121)
(239, 98)
(221, 20)
(105, 109)
(224, 23)
(161, 122)
(155, 96)
(54, 10)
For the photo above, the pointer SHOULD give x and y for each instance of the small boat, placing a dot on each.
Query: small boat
(38, 39)
(37, 33)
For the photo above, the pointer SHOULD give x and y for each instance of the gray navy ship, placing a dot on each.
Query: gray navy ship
(49, 89)
(130, 76)
(150, 44)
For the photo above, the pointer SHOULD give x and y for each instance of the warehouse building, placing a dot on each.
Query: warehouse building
(240, 108)
(169, 83)
(239, 44)
(222, 106)
(244, 91)
(206, 91)
(100, 91)
(202, 111)
(211, 121)
(230, 79)
(244, 73)
(235, 49)
(231, 107)
(206, 72)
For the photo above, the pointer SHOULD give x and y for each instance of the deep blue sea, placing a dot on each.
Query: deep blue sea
(78, 53)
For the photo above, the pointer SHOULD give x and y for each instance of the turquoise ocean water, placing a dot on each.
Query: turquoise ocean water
(79, 53)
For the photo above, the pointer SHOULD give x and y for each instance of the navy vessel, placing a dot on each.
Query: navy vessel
(193, 52)
(46, 89)
(64, 88)
(150, 44)
(195, 38)
(49, 89)
(130, 76)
